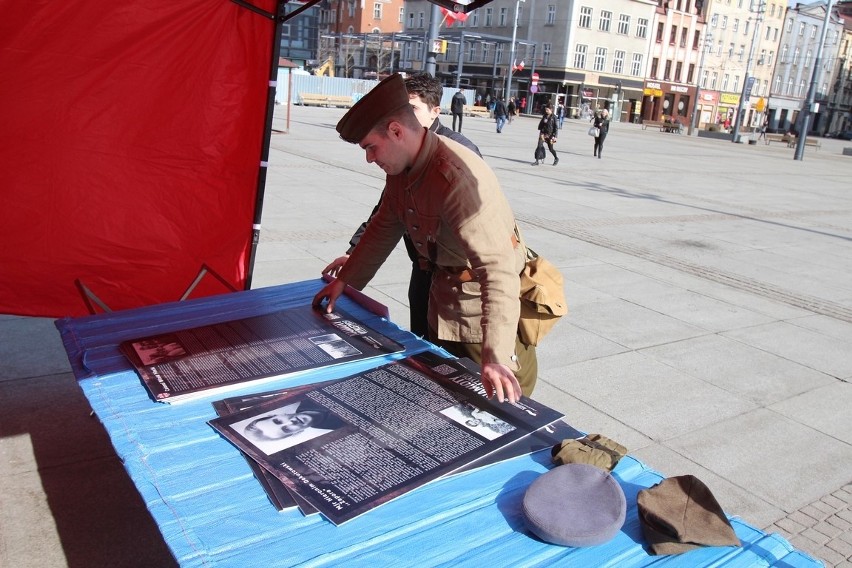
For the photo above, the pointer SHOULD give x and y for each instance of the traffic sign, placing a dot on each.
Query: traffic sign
(533, 88)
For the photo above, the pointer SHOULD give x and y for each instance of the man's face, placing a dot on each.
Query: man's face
(425, 116)
(277, 426)
(384, 150)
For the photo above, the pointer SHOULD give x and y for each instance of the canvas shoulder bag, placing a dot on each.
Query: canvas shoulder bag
(542, 297)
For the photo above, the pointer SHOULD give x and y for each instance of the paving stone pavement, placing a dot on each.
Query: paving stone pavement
(713, 275)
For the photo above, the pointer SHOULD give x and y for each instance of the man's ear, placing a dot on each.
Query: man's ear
(435, 112)
(395, 130)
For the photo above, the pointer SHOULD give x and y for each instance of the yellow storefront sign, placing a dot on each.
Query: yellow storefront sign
(653, 92)
(729, 99)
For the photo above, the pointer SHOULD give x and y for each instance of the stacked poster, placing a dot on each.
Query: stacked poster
(194, 362)
(350, 445)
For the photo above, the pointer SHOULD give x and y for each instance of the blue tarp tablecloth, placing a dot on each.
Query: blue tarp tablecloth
(212, 512)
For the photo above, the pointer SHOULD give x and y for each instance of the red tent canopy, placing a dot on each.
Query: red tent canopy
(130, 149)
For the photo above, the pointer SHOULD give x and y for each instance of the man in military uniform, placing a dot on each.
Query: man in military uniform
(451, 204)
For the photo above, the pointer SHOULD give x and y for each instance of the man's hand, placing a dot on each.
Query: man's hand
(500, 380)
(335, 266)
(332, 291)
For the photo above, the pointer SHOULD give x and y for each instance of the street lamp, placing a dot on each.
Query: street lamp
(748, 81)
(708, 43)
(512, 50)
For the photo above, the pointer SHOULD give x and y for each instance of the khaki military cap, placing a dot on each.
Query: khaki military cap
(680, 514)
(383, 100)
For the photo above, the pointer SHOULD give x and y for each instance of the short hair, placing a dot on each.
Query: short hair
(426, 87)
(404, 116)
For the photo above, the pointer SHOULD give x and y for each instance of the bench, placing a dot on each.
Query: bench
(316, 99)
(792, 141)
(477, 111)
(663, 126)
(776, 138)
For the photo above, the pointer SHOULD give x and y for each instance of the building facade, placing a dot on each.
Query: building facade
(797, 66)
(358, 37)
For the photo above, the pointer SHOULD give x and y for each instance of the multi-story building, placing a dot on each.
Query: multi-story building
(358, 37)
(675, 55)
(797, 66)
(839, 103)
(742, 38)
(300, 34)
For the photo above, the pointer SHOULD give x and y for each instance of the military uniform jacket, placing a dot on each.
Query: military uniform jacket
(451, 204)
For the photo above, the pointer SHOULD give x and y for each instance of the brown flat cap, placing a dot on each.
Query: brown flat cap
(680, 514)
(384, 99)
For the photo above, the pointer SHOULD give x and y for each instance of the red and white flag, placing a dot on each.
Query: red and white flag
(451, 17)
(518, 67)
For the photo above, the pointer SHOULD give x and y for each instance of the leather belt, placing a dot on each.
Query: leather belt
(468, 274)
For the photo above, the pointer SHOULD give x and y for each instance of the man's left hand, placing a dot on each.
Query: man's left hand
(501, 381)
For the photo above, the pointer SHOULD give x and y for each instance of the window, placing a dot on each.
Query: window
(736, 87)
(690, 73)
(704, 78)
(600, 59)
(636, 65)
(802, 27)
(520, 14)
(585, 17)
(762, 59)
(696, 40)
(736, 25)
(768, 32)
(655, 63)
(714, 20)
(489, 15)
(673, 35)
(790, 25)
(667, 73)
(642, 27)
(471, 54)
(772, 10)
(499, 52)
(683, 34)
(807, 59)
(606, 18)
(713, 81)
(813, 31)
(580, 56)
(796, 56)
(801, 90)
(775, 35)
(741, 52)
(789, 90)
(678, 71)
(660, 32)
(725, 79)
(486, 48)
(765, 87)
(624, 24)
(777, 87)
(745, 27)
(771, 55)
(618, 62)
(724, 22)
(377, 11)
(401, 15)
(420, 19)
(730, 51)
(551, 15)
(501, 17)
(410, 20)
(784, 54)
(474, 18)
(351, 8)
(719, 48)
(545, 56)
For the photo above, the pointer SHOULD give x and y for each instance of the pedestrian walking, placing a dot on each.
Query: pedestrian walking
(510, 108)
(500, 114)
(547, 130)
(457, 109)
(602, 124)
(560, 114)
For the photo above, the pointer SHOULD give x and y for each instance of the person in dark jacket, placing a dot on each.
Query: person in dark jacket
(424, 92)
(501, 113)
(602, 124)
(457, 108)
(547, 129)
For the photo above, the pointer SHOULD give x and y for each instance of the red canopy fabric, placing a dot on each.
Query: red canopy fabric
(129, 149)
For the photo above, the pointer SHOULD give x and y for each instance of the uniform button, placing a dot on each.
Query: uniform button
(416, 227)
(454, 289)
(514, 357)
(410, 210)
(420, 244)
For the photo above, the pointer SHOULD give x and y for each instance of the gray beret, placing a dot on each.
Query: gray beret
(383, 100)
(575, 505)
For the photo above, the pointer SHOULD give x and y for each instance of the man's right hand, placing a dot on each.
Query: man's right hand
(335, 266)
(331, 291)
